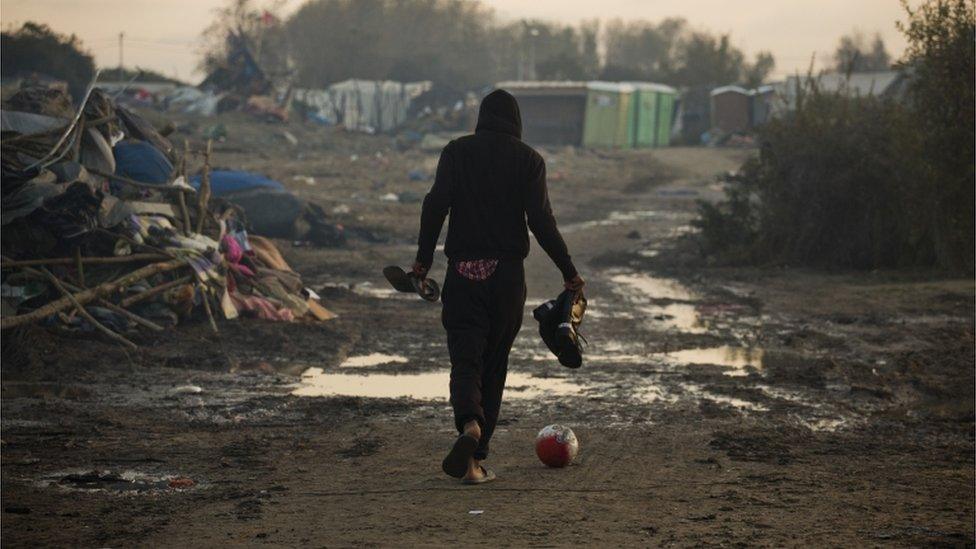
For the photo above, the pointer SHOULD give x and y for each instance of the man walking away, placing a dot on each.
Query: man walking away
(494, 187)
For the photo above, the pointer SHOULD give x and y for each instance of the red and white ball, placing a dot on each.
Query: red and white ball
(556, 445)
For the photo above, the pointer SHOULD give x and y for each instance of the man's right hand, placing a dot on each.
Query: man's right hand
(575, 284)
(419, 270)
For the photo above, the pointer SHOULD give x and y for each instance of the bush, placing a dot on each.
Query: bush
(863, 182)
(36, 48)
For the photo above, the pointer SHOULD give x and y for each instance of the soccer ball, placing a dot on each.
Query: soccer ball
(556, 445)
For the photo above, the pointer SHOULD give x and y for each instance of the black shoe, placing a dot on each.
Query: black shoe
(559, 320)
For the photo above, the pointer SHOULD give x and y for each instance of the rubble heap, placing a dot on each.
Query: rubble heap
(102, 232)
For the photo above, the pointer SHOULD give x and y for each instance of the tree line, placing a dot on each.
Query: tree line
(461, 45)
(458, 44)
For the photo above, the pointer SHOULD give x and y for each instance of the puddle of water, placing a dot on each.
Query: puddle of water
(701, 393)
(372, 359)
(654, 288)
(648, 253)
(612, 352)
(617, 218)
(120, 482)
(734, 402)
(821, 419)
(678, 316)
(615, 358)
(735, 358)
(422, 386)
(682, 230)
(826, 425)
(369, 290)
(654, 393)
(594, 312)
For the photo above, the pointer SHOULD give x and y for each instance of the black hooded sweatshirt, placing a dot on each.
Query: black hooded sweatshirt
(493, 184)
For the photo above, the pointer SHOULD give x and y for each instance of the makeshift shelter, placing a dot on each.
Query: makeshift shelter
(765, 104)
(239, 72)
(553, 113)
(862, 84)
(653, 107)
(363, 105)
(609, 115)
(692, 115)
(731, 109)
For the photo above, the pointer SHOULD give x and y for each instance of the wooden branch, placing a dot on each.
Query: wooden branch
(144, 295)
(181, 198)
(130, 315)
(206, 307)
(203, 196)
(131, 258)
(104, 303)
(92, 294)
(81, 310)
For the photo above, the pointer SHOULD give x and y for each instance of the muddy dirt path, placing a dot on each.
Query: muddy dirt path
(716, 405)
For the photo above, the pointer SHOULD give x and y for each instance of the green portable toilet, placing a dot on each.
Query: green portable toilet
(654, 104)
(609, 115)
(624, 138)
(666, 96)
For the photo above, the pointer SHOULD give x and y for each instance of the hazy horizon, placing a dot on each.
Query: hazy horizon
(166, 36)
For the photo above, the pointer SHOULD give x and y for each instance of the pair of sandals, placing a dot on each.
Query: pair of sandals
(455, 464)
(402, 281)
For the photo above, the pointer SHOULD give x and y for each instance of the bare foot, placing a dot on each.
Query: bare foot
(473, 429)
(475, 472)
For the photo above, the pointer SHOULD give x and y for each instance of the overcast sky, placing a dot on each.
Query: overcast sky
(164, 35)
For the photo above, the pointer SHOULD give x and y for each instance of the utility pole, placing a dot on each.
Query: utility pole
(121, 37)
(534, 33)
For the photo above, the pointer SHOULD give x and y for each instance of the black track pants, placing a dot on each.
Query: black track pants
(482, 319)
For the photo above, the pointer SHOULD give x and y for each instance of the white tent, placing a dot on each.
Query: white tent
(364, 105)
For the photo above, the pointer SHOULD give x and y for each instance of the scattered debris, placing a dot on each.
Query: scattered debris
(180, 483)
(103, 234)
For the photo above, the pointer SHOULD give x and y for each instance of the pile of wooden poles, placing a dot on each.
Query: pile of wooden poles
(76, 294)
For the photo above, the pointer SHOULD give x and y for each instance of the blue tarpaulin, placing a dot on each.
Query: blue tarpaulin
(141, 161)
(227, 181)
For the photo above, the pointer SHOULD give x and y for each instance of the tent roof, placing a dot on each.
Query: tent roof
(532, 84)
(864, 83)
(619, 87)
(652, 86)
(727, 89)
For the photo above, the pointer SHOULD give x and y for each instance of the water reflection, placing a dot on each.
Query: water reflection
(372, 359)
(737, 359)
(316, 382)
(675, 316)
(653, 287)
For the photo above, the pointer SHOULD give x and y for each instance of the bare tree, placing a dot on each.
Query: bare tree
(853, 54)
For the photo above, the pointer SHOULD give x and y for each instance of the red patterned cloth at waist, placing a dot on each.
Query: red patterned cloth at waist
(478, 269)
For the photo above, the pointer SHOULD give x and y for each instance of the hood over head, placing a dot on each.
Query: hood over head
(499, 112)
